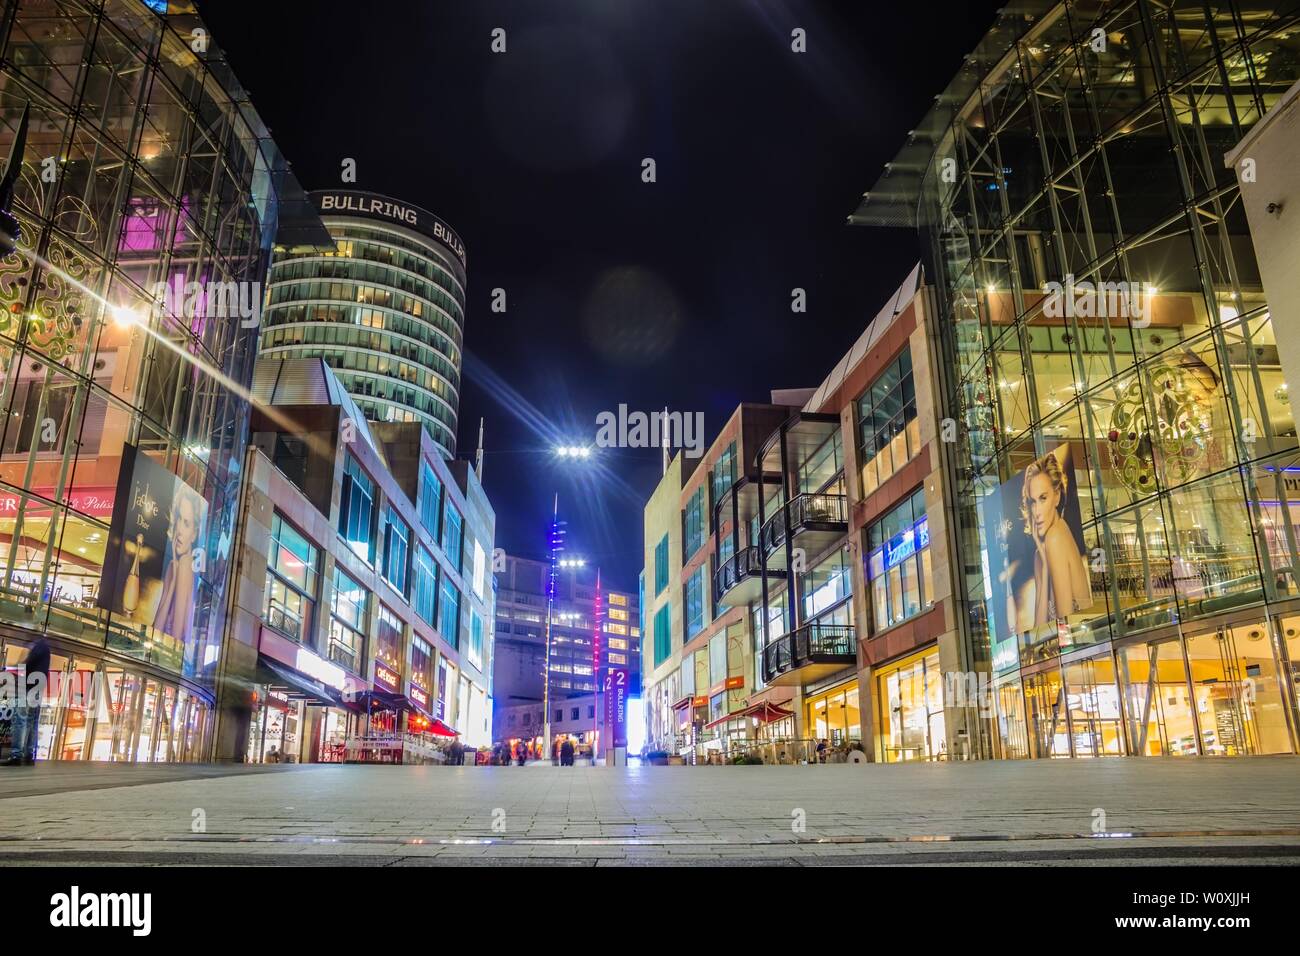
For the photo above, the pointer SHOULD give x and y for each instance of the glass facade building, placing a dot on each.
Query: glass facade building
(144, 164)
(385, 309)
(1126, 459)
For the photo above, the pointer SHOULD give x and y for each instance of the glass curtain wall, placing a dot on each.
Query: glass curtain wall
(1100, 303)
(161, 179)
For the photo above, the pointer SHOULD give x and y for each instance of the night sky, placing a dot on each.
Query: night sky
(670, 293)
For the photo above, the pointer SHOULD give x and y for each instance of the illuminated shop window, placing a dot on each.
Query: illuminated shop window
(888, 432)
(898, 563)
(291, 581)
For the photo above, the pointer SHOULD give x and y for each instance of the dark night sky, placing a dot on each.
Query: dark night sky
(618, 291)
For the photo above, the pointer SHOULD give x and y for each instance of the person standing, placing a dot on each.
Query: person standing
(27, 708)
(566, 754)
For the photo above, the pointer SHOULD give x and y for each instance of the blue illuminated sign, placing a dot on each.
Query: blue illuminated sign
(905, 544)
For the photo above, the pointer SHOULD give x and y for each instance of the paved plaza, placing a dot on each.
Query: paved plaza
(1118, 811)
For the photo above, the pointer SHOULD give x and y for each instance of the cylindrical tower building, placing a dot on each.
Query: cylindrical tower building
(386, 309)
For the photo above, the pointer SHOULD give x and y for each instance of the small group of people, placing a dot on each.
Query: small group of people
(504, 754)
(456, 754)
(522, 751)
(26, 712)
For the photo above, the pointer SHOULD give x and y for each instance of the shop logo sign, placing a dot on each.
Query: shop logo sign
(74, 909)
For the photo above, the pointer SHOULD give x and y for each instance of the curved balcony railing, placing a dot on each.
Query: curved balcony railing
(808, 512)
(744, 565)
(810, 644)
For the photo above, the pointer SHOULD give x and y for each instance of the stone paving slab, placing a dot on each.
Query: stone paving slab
(1022, 810)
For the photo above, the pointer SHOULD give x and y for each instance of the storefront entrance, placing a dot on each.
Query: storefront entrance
(96, 709)
(834, 716)
(1217, 692)
(909, 709)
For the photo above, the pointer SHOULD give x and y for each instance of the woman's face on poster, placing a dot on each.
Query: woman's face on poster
(186, 528)
(1043, 501)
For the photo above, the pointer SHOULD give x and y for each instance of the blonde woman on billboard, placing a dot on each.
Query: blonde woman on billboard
(175, 614)
(1061, 585)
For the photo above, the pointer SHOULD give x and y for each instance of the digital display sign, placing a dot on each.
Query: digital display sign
(616, 696)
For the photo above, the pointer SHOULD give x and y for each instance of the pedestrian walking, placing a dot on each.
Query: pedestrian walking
(27, 706)
(566, 754)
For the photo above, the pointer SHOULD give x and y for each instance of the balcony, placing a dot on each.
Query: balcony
(809, 653)
(284, 620)
(739, 579)
(816, 521)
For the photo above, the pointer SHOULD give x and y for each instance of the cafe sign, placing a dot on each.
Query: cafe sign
(419, 695)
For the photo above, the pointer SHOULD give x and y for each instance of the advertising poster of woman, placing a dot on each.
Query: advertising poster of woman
(1038, 566)
(159, 525)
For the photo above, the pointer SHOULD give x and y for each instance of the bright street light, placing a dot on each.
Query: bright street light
(573, 451)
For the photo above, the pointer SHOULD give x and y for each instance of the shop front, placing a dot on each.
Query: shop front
(425, 734)
(299, 704)
(1215, 691)
(833, 715)
(909, 709)
(98, 707)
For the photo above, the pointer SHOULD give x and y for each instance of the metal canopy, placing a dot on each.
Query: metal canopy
(894, 200)
(803, 432)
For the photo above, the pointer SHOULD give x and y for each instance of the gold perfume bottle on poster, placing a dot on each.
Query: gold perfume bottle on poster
(131, 591)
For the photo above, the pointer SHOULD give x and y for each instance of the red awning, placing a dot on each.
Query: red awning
(723, 719)
(422, 723)
(765, 712)
(439, 729)
(684, 702)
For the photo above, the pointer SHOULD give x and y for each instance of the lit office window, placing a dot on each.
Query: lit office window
(397, 549)
(898, 563)
(348, 622)
(291, 581)
(357, 510)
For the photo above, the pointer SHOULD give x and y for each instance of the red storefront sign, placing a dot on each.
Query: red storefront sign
(96, 502)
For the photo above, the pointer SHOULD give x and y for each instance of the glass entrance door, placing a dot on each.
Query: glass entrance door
(1159, 699)
(1045, 703)
(1237, 692)
(1093, 699)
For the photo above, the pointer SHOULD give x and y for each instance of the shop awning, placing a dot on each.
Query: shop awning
(439, 729)
(423, 723)
(723, 719)
(765, 712)
(684, 702)
(383, 699)
(299, 685)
